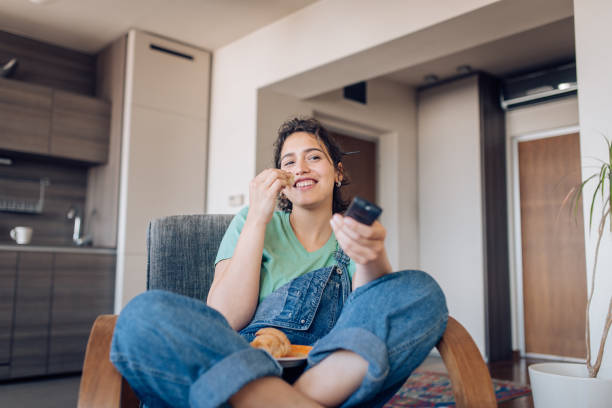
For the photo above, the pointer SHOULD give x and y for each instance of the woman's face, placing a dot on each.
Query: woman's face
(314, 174)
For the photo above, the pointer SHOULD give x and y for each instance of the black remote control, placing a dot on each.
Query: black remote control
(363, 211)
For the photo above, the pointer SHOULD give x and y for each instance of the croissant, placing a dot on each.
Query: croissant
(273, 341)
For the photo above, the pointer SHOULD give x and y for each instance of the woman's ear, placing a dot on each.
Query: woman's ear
(339, 173)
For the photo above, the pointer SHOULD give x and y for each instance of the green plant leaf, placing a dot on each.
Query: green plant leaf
(579, 191)
(593, 204)
(602, 180)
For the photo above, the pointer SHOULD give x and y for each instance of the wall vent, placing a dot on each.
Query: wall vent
(171, 52)
(356, 92)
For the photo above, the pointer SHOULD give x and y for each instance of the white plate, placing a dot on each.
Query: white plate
(296, 357)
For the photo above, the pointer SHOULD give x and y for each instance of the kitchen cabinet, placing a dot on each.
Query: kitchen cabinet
(48, 303)
(83, 288)
(44, 121)
(168, 124)
(31, 327)
(25, 116)
(80, 127)
(8, 271)
(170, 77)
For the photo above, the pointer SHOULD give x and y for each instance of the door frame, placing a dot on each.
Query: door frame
(517, 232)
(387, 173)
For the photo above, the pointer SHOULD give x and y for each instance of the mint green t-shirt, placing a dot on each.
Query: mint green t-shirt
(284, 257)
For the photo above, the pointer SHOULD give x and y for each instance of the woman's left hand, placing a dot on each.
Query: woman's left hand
(364, 244)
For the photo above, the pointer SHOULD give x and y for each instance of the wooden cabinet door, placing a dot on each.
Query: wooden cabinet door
(8, 270)
(83, 288)
(25, 117)
(80, 127)
(31, 330)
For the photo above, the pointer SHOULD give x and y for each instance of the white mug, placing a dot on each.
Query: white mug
(21, 235)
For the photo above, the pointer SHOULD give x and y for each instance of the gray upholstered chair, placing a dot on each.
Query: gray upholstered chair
(181, 253)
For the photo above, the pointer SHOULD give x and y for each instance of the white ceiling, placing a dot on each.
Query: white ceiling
(551, 43)
(89, 25)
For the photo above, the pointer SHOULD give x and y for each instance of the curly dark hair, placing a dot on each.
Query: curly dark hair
(314, 127)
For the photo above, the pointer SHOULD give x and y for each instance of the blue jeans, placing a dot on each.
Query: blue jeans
(176, 351)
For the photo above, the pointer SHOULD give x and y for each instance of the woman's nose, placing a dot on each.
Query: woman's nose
(301, 167)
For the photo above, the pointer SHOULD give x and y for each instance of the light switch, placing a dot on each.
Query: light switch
(236, 200)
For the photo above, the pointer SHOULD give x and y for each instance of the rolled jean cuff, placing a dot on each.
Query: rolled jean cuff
(363, 343)
(229, 375)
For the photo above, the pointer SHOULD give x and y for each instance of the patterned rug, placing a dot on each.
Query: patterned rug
(428, 389)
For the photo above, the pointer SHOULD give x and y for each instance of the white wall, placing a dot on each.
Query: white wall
(390, 117)
(525, 121)
(333, 43)
(450, 199)
(542, 117)
(273, 109)
(163, 155)
(594, 64)
(103, 181)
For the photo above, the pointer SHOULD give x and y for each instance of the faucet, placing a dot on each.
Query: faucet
(75, 213)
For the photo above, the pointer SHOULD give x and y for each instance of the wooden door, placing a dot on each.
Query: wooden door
(554, 277)
(360, 167)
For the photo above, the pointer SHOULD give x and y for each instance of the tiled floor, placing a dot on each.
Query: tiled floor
(57, 392)
(62, 392)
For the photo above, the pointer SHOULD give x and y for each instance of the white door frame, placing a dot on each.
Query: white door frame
(518, 251)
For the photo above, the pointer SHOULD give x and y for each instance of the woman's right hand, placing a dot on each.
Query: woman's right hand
(263, 193)
(235, 288)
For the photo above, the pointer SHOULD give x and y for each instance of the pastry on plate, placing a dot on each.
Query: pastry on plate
(273, 341)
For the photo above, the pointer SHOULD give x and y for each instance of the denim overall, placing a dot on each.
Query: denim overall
(306, 308)
(176, 351)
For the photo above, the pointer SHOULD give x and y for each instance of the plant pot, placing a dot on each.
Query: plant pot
(568, 385)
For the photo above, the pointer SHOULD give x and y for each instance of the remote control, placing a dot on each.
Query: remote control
(363, 211)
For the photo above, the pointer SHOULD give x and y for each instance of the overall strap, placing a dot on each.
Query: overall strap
(341, 258)
(343, 261)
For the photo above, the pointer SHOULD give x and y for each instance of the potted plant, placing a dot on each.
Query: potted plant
(571, 384)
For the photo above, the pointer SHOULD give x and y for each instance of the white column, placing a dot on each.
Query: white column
(594, 65)
(163, 158)
(450, 199)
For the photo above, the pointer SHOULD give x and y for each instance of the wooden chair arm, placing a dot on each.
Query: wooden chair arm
(469, 374)
(102, 386)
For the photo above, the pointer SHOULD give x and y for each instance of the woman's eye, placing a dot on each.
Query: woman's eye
(287, 163)
(315, 157)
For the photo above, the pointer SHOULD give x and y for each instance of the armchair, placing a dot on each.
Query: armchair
(181, 253)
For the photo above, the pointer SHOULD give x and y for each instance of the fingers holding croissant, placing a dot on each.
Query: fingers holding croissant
(273, 341)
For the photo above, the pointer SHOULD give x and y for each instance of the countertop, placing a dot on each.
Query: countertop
(50, 248)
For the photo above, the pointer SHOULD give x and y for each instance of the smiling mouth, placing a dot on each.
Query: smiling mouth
(304, 183)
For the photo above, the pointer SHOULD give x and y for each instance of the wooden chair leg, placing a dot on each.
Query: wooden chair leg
(469, 375)
(101, 384)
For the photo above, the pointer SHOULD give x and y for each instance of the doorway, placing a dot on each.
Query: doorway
(551, 260)
(360, 167)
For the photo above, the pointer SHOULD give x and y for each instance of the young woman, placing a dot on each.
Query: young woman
(323, 279)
